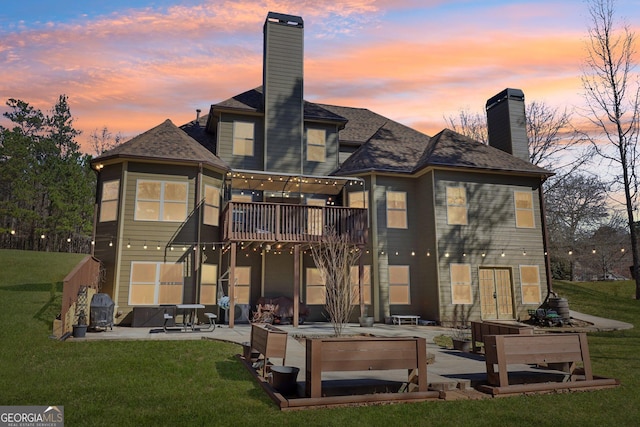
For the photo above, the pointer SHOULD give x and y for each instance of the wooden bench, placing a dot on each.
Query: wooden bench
(364, 354)
(480, 329)
(397, 319)
(504, 350)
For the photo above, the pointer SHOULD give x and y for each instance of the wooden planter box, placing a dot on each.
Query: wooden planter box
(364, 354)
(480, 329)
(270, 342)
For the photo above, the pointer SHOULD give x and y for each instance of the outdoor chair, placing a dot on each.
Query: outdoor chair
(212, 321)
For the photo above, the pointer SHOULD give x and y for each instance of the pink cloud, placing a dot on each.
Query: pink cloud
(133, 69)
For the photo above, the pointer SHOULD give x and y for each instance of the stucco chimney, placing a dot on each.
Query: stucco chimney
(283, 92)
(506, 123)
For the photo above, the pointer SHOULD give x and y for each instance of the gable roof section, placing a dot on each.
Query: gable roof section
(165, 142)
(397, 148)
(451, 149)
(392, 147)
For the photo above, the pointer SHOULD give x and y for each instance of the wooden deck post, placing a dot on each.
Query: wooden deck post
(232, 283)
(296, 285)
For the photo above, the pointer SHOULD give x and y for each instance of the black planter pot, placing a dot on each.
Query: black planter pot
(79, 331)
(366, 321)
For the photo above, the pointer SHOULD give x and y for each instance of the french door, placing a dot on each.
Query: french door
(496, 295)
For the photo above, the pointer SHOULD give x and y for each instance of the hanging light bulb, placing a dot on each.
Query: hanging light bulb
(110, 243)
(129, 244)
(144, 246)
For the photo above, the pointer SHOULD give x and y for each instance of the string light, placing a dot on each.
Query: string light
(129, 244)
(144, 246)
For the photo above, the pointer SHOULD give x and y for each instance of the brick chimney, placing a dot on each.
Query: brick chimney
(506, 123)
(283, 92)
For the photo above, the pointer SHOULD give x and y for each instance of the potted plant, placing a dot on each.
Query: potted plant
(461, 334)
(80, 328)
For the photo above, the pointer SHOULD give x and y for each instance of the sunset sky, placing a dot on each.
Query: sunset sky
(131, 64)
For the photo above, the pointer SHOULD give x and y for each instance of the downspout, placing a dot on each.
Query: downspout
(545, 241)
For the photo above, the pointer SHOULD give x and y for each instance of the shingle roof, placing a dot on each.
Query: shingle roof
(398, 148)
(451, 149)
(361, 126)
(164, 142)
(251, 101)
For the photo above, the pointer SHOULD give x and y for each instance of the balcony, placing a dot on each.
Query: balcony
(274, 222)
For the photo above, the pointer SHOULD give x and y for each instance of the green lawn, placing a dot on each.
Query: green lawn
(200, 383)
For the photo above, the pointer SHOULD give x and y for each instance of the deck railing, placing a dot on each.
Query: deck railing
(243, 221)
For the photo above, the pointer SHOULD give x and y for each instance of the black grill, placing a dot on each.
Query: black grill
(101, 311)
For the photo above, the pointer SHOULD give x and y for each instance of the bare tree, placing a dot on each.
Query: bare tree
(103, 140)
(334, 257)
(472, 125)
(576, 206)
(612, 94)
(550, 133)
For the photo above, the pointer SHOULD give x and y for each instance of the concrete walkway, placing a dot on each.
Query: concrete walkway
(450, 368)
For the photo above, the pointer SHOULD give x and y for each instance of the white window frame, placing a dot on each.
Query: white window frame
(316, 145)
(245, 271)
(243, 145)
(398, 210)
(209, 279)
(530, 285)
(104, 201)
(466, 284)
(211, 207)
(407, 285)
(156, 283)
(523, 210)
(161, 201)
(456, 205)
(317, 286)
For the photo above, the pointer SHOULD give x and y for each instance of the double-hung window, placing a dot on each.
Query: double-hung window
(524, 209)
(399, 284)
(456, 206)
(109, 200)
(211, 205)
(396, 209)
(243, 138)
(316, 145)
(316, 291)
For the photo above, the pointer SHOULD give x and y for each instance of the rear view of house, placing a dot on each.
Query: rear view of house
(230, 203)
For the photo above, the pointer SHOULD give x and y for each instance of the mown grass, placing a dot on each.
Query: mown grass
(200, 383)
